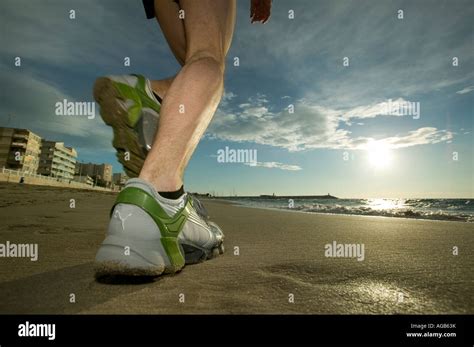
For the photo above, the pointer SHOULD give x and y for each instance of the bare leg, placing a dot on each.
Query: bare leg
(167, 14)
(194, 94)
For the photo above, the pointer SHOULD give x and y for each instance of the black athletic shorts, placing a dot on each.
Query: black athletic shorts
(150, 7)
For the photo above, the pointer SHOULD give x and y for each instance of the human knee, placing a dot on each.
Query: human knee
(211, 60)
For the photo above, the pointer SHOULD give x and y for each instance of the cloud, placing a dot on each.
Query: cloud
(465, 90)
(61, 58)
(302, 57)
(421, 136)
(387, 55)
(275, 165)
(100, 35)
(228, 96)
(311, 126)
(29, 102)
(384, 108)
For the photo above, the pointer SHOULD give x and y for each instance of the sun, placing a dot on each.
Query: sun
(379, 155)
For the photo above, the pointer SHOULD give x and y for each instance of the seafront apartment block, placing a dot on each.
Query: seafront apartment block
(120, 178)
(57, 160)
(19, 149)
(99, 172)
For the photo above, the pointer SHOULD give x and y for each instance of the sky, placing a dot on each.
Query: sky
(309, 94)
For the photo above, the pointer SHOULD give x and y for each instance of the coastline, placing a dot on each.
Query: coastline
(239, 204)
(280, 253)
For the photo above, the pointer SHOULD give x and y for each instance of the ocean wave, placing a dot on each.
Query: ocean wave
(461, 210)
(368, 211)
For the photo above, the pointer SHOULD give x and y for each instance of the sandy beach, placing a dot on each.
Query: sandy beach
(408, 267)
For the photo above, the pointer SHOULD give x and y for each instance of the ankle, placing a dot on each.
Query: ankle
(163, 183)
(173, 195)
(160, 87)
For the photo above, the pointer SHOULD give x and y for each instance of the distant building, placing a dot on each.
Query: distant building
(57, 160)
(100, 173)
(120, 178)
(19, 149)
(84, 179)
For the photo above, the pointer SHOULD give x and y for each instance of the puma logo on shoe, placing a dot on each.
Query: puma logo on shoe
(122, 220)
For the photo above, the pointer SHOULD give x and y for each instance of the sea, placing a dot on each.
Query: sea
(461, 210)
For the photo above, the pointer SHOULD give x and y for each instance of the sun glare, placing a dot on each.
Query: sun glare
(379, 155)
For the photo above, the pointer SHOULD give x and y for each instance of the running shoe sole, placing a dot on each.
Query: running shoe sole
(114, 112)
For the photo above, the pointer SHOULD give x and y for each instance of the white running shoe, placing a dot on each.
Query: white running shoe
(149, 235)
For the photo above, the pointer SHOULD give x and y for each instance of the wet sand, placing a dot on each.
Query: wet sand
(409, 266)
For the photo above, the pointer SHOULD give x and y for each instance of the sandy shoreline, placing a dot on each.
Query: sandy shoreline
(409, 266)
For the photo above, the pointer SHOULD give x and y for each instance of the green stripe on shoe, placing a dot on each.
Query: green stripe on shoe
(139, 96)
(170, 227)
